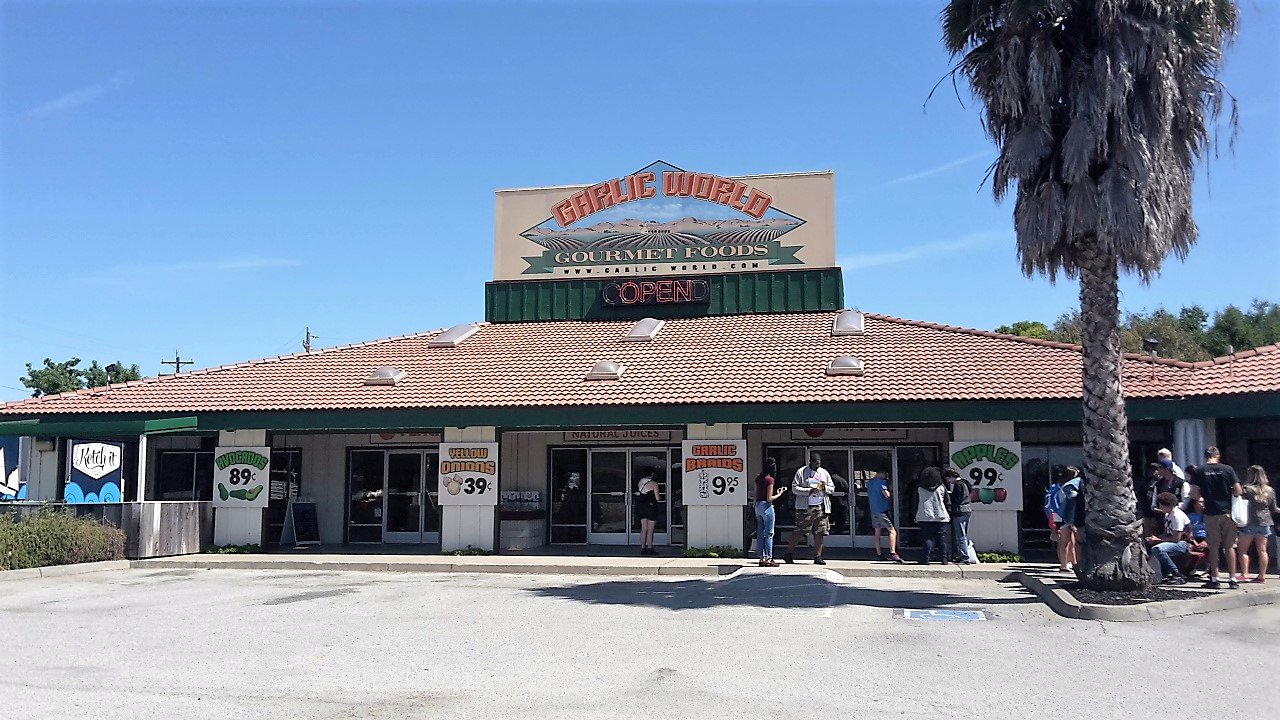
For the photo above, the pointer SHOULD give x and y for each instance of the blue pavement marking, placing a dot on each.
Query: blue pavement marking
(934, 614)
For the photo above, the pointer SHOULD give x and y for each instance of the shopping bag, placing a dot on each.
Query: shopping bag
(1240, 511)
(973, 554)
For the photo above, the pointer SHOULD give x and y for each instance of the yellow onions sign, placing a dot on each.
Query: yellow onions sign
(468, 474)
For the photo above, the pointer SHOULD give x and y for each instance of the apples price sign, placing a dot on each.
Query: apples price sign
(994, 469)
(468, 474)
(240, 477)
(714, 472)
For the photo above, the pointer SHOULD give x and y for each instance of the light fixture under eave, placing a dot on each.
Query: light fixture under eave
(386, 376)
(845, 365)
(454, 336)
(848, 322)
(644, 330)
(606, 370)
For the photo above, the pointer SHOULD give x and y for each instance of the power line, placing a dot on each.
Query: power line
(177, 362)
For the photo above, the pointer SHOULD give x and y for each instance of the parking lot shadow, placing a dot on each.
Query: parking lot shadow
(763, 591)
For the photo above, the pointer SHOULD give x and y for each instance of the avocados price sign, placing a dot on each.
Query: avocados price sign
(665, 220)
(240, 475)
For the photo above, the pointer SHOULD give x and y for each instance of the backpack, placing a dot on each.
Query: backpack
(1053, 502)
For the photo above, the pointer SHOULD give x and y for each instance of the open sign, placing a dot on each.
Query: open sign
(656, 292)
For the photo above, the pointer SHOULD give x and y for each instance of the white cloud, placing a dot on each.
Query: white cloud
(938, 170)
(862, 261)
(78, 97)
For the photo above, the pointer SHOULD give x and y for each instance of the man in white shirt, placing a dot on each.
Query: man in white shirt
(811, 487)
(1173, 542)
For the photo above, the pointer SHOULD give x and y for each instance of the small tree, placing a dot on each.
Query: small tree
(61, 377)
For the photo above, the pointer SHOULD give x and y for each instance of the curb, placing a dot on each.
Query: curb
(487, 568)
(1064, 604)
(53, 571)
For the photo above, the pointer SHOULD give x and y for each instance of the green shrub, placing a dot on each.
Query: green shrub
(999, 557)
(233, 549)
(468, 550)
(717, 551)
(55, 537)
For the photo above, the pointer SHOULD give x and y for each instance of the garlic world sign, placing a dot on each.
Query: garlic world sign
(663, 220)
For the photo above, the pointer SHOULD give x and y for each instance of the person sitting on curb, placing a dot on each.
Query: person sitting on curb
(1173, 542)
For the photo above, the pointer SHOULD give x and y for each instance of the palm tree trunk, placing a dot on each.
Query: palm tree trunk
(1112, 554)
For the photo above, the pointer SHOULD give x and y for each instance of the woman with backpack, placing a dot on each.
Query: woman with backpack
(1067, 508)
(932, 515)
(1262, 503)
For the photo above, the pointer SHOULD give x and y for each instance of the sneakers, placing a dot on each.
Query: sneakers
(788, 558)
(1174, 580)
(880, 556)
(1212, 585)
(768, 562)
(1233, 585)
(897, 558)
(819, 561)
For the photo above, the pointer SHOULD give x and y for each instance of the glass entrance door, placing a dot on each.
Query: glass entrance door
(410, 512)
(614, 476)
(866, 465)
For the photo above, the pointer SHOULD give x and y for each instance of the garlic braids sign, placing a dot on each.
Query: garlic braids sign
(994, 469)
(468, 474)
(240, 476)
(714, 472)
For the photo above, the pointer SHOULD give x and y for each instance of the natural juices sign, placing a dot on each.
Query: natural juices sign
(994, 469)
(240, 475)
(659, 220)
(714, 472)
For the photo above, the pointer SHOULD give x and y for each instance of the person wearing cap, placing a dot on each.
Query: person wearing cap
(811, 487)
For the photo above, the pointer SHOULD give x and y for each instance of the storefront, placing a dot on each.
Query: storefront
(663, 325)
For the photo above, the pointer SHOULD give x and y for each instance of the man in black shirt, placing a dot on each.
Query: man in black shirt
(1217, 483)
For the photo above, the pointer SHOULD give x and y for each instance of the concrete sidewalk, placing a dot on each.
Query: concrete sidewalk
(578, 565)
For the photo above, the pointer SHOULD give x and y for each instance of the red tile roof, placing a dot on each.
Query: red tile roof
(774, 358)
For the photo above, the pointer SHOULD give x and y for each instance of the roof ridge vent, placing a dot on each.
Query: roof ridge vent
(454, 336)
(386, 376)
(606, 370)
(644, 330)
(846, 365)
(848, 322)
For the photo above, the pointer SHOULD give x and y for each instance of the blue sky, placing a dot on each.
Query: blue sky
(213, 177)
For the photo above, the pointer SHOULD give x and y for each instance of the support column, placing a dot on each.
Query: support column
(463, 526)
(140, 482)
(239, 526)
(988, 529)
(712, 525)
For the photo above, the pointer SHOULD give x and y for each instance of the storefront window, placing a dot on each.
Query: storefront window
(183, 475)
(286, 483)
(364, 513)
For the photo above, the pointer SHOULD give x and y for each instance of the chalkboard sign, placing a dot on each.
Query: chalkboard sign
(301, 523)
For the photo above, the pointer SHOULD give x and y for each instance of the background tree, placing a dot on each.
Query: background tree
(1100, 109)
(1026, 328)
(54, 378)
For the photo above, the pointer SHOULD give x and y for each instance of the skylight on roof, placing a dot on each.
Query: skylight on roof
(454, 336)
(386, 376)
(848, 322)
(845, 365)
(644, 330)
(606, 370)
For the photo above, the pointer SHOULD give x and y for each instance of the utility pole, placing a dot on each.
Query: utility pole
(306, 341)
(177, 362)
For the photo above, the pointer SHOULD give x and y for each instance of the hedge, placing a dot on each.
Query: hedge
(54, 537)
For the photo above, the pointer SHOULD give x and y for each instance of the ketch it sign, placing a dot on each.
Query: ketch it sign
(661, 219)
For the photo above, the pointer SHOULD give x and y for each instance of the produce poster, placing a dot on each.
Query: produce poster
(240, 476)
(994, 469)
(714, 472)
(468, 473)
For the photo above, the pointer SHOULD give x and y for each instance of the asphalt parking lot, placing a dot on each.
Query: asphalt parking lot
(277, 644)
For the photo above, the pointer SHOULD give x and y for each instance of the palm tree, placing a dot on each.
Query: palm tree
(1100, 110)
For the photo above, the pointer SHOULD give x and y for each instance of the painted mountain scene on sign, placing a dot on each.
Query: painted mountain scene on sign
(633, 233)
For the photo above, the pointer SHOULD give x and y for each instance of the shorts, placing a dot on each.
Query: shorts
(814, 520)
(647, 511)
(881, 521)
(1221, 533)
(1256, 530)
